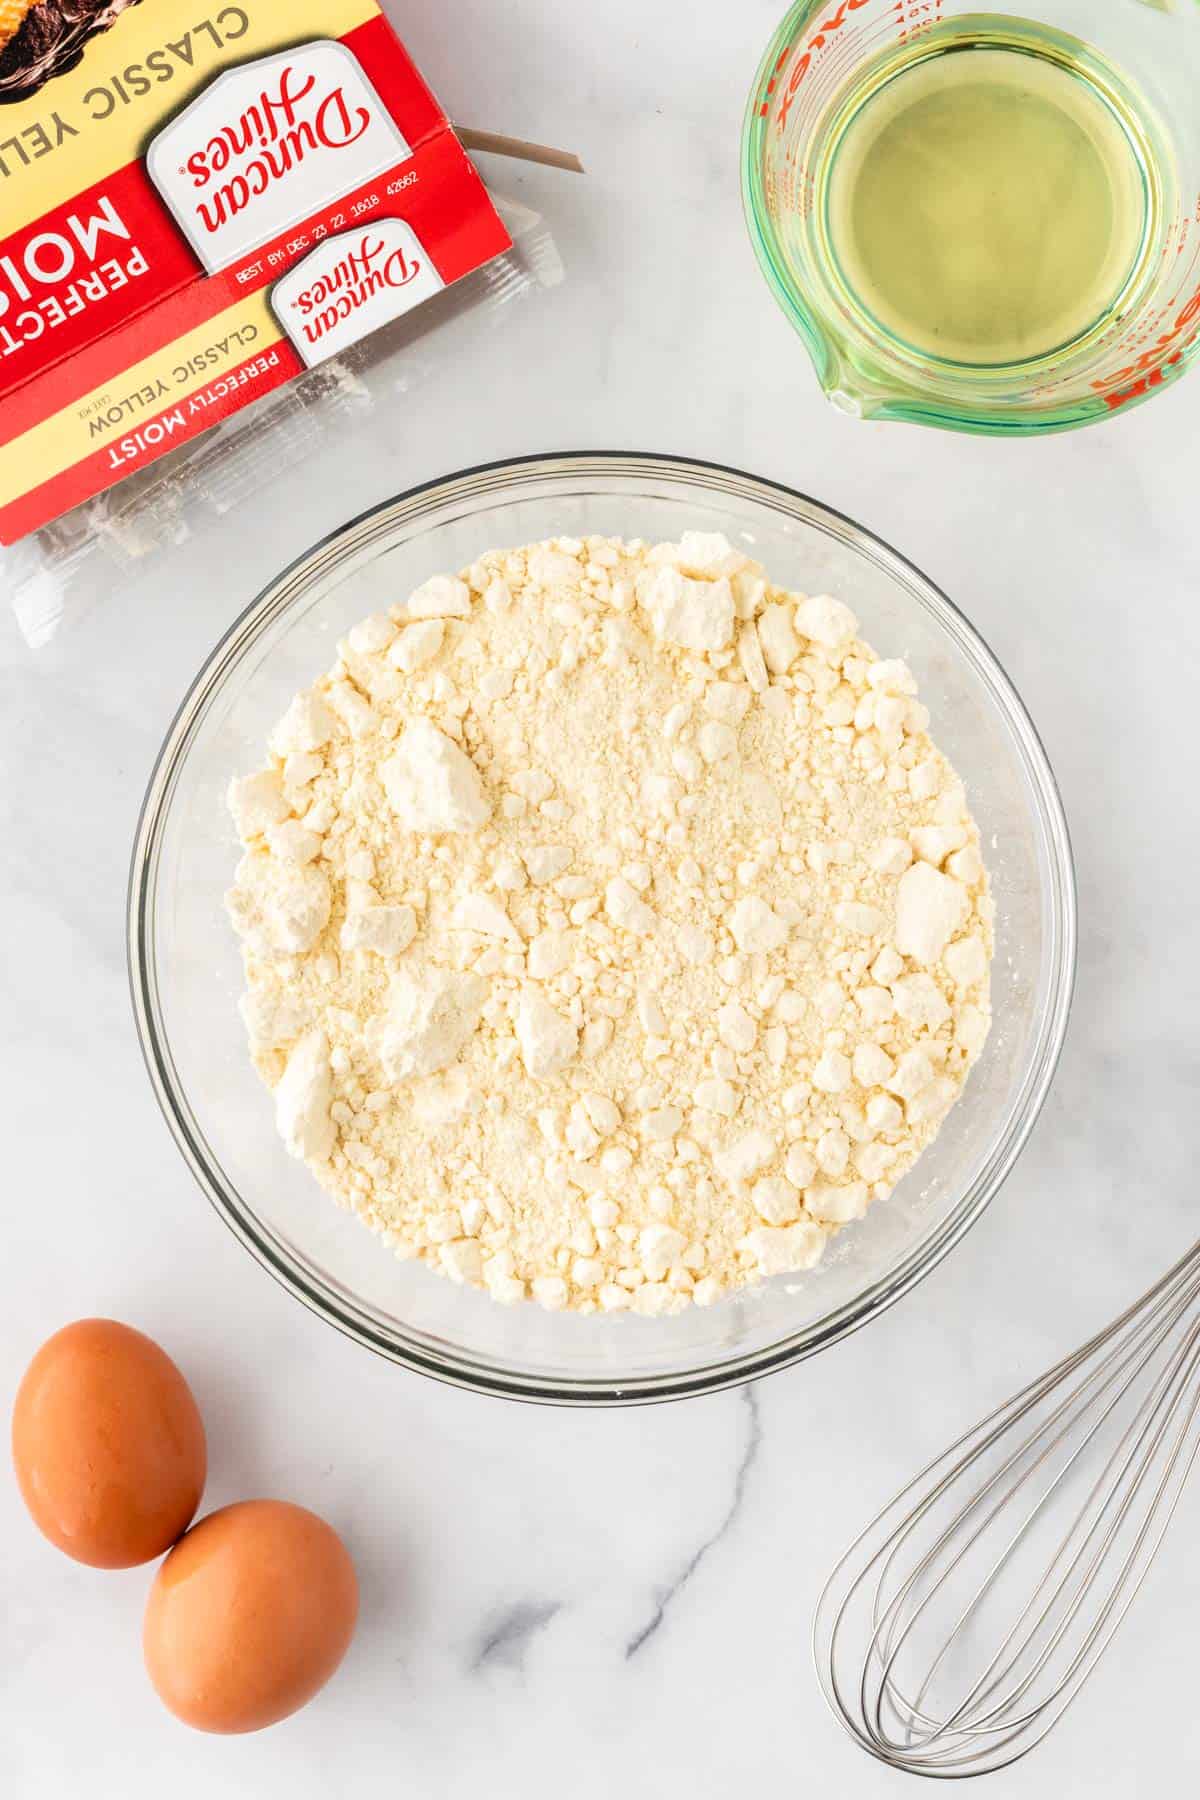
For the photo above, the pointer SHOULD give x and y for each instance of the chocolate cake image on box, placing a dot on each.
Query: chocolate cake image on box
(40, 39)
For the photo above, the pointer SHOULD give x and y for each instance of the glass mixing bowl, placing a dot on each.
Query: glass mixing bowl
(186, 968)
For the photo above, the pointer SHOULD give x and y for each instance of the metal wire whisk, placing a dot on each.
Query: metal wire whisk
(961, 1624)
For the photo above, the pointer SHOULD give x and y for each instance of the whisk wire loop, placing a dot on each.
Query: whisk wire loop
(965, 1619)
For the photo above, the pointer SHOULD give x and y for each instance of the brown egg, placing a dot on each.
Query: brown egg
(249, 1616)
(108, 1445)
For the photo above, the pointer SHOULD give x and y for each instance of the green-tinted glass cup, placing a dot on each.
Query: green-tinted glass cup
(1141, 56)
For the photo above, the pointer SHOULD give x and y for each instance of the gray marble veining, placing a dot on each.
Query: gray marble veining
(556, 1600)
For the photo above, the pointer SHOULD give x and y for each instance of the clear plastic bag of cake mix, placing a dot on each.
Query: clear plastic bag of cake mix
(56, 575)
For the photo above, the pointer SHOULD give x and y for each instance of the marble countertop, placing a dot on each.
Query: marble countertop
(619, 1602)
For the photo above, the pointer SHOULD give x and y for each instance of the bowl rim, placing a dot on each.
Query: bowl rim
(453, 1367)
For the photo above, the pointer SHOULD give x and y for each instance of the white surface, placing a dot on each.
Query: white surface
(619, 1603)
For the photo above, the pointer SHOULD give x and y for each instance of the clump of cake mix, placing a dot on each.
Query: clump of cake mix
(614, 932)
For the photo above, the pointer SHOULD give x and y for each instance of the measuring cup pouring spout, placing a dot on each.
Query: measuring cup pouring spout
(982, 221)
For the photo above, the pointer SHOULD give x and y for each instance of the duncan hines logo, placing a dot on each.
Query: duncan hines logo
(269, 143)
(351, 285)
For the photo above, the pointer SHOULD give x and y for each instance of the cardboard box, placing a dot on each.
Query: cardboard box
(196, 206)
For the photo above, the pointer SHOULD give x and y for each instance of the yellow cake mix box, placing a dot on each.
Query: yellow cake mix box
(195, 206)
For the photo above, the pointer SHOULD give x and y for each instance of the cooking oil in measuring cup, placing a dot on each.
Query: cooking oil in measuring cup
(979, 221)
(988, 194)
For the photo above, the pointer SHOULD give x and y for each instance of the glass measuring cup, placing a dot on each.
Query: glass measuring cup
(1141, 56)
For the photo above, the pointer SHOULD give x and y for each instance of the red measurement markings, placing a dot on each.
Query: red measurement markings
(915, 16)
(833, 22)
(1153, 366)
